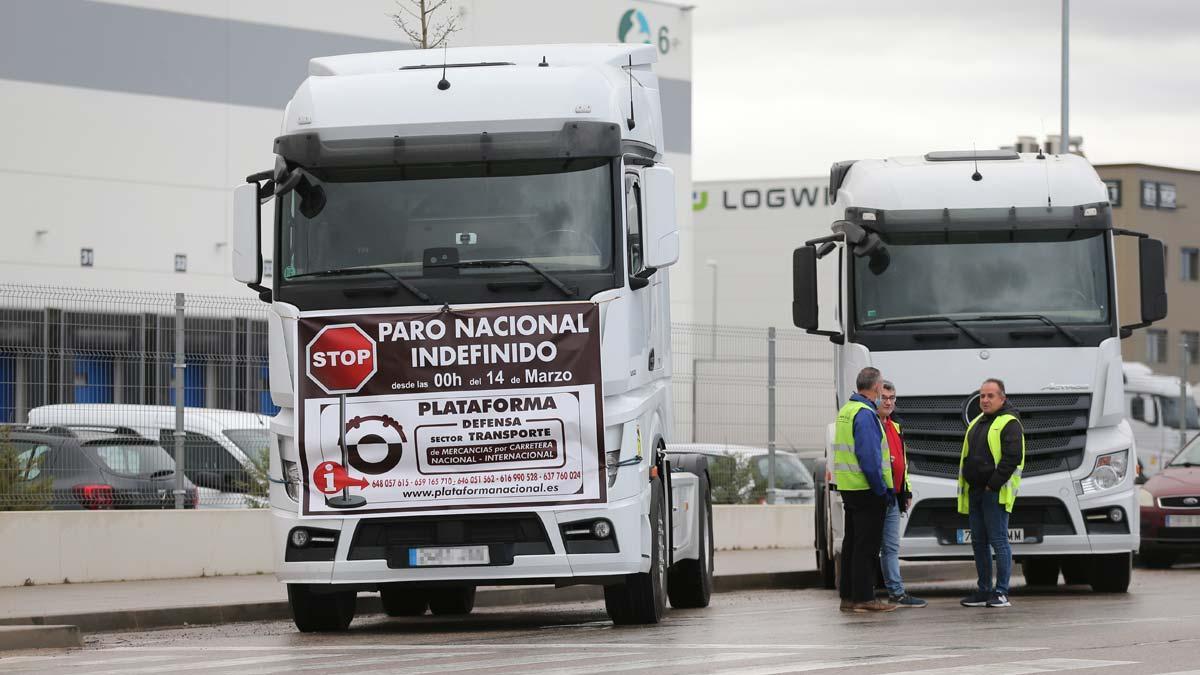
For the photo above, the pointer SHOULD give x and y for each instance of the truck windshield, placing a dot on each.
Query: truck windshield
(1169, 405)
(557, 214)
(1061, 276)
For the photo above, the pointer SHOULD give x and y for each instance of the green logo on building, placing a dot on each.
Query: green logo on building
(634, 28)
(699, 200)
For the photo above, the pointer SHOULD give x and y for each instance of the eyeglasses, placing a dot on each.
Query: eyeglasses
(888, 399)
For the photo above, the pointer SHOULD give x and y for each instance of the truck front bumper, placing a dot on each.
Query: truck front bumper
(1053, 516)
(630, 529)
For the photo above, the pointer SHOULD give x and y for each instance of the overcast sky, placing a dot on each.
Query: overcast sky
(786, 87)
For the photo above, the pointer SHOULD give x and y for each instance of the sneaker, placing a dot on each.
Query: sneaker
(976, 599)
(847, 606)
(998, 600)
(873, 606)
(906, 600)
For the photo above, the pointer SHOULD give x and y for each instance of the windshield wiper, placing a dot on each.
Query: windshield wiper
(1184, 464)
(568, 291)
(1032, 317)
(929, 319)
(346, 271)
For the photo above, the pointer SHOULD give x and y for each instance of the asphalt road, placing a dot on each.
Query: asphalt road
(1153, 629)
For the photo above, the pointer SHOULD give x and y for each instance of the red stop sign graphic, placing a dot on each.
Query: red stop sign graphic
(341, 358)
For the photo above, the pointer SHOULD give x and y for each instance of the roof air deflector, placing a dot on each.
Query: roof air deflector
(969, 155)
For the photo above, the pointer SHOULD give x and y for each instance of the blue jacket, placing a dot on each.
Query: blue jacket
(868, 444)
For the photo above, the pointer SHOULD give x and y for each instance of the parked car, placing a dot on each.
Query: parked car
(220, 446)
(739, 473)
(1170, 509)
(94, 468)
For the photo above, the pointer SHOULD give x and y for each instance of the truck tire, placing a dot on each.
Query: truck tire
(321, 612)
(642, 597)
(825, 563)
(452, 601)
(1041, 571)
(398, 600)
(1112, 572)
(690, 582)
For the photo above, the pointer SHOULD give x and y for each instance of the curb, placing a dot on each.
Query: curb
(143, 619)
(39, 637)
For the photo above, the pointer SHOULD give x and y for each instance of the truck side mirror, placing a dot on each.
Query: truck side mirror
(247, 247)
(1137, 409)
(804, 288)
(1151, 259)
(660, 234)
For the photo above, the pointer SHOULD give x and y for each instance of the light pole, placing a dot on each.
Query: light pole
(1064, 141)
(713, 328)
(1184, 407)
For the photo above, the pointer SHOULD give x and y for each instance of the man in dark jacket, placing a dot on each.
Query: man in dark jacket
(989, 475)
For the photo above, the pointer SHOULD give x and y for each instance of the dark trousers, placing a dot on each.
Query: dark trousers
(860, 544)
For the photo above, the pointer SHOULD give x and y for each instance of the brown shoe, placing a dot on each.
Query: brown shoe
(847, 606)
(873, 606)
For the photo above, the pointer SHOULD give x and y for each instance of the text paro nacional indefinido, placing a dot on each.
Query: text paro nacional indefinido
(471, 328)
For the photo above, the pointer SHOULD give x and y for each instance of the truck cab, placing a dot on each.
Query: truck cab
(954, 267)
(469, 336)
(1153, 404)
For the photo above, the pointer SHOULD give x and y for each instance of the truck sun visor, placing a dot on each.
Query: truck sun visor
(575, 139)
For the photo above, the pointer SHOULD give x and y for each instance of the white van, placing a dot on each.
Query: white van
(794, 483)
(218, 444)
(1152, 406)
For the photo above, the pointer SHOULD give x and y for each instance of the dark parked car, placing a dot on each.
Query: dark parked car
(1170, 509)
(90, 468)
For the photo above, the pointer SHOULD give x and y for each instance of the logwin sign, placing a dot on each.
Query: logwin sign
(775, 198)
(464, 409)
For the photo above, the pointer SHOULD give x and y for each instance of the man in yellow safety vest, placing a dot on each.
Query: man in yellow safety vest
(989, 475)
(862, 471)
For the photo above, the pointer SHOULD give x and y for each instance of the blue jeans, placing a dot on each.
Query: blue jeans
(989, 532)
(889, 553)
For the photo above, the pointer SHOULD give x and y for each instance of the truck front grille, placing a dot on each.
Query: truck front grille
(1055, 431)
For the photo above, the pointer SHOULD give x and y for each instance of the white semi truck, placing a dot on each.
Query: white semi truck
(954, 267)
(470, 334)
(1153, 412)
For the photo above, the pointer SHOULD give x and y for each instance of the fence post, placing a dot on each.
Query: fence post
(771, 415)
(180, 365)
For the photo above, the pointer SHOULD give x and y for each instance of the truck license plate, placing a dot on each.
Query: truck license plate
(1016, 535)
(1183, 521)
(448, 555)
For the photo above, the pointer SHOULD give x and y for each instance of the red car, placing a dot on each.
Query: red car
(1170, 508)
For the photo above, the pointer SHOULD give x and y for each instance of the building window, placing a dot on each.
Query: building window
(1166, 196)
(1149, 194)
(1114, 191)
(1156, 346)
(1191, 345)
(1189, 264)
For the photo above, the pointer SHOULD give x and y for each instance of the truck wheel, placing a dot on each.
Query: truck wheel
(1076, 570)
(690, 582)
(825, 564)
(1156, 560)
(1041, 571)
(321, 612)
(642, 597)
(1112, 572)
(452, 601)
(400, 601)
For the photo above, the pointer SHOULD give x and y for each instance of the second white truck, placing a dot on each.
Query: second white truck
(954, 267)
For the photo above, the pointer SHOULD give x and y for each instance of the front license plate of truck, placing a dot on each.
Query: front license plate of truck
(436, 556)
(1016, 535)
(1183, 521)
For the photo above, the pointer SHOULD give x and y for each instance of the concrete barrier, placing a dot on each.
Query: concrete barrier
(54, 547)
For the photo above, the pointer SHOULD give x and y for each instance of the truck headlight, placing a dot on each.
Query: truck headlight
(291, 479)
(1145, 498)
(1108, 473)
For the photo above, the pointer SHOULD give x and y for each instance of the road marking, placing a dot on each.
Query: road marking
(226, 663)
(369, 661)
(125, 659)
(1021, 667)
(580, 645)
(668, 662)
(515, 662)
(837, 663)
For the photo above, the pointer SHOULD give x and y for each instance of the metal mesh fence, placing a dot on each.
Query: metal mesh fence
(88, 388)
